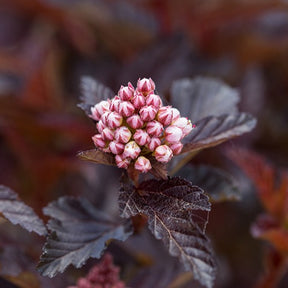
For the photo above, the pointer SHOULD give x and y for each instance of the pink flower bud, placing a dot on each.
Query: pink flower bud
(175, 113)
(116, 147)
(131, 150)
(122, 134)
(99, 141)
(138, 101)
(145, 86)
(106, 149)
(99, 109)
(126, 92)
(114, 104)
(154, 100)
(114, 120)
(141, 137)
(142, 164)
(154, 128)
(154, 143)
(100, 126)
(148, 113)
(135, 121)
(164, 115)
(184, 124)
(126, 108)
(163, 153)
(173, 134)
(176, 148)
(107, 134)
(104, 118)
(122, 162)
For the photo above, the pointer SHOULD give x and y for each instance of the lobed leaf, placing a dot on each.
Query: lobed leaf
(203, 97)
(177, 214)
(19, 213)
(97, 156)
(78, 231)
(92, 92)
(219, 185)
(212, 131)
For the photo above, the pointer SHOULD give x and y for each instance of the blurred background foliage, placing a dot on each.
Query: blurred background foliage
(47, 45)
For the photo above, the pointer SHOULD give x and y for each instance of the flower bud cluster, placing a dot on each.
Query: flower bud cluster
(135, 125)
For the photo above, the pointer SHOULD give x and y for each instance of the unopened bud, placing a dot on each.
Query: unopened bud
(176, 148)
(126, 108)
(148, 113)
(135, 121)
(114, 120)
(154, 128)
(107, 134)
(126, 92)
(175, 113)
(173, 134)
(131, 150)
(141, 137)
(99, 109)
(122, 162)
(142, 164)
(145, 86)
(100, 126)
(154, 100)
(163, 153)
(99, 141)
(138, 101)
(114, 104)
(165, 115)
(122, 134)
(154, 143)
(116, 147)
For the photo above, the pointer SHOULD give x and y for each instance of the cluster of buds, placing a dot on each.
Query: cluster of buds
(135, 125)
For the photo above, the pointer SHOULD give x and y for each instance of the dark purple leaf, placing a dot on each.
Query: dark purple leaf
(78, 231)
(218, 184)
(202, 97)
(212, 131)
(159, 170)
(19, 213)
(177, 214)
(97, 156)
(92, 92)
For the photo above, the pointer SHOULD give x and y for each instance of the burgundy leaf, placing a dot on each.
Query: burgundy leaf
(97, 156)
(159, 170)
(212, 131)
(19, 213)
(78, 231)
(93, 92)
(202, 97)
(177, 214)
(218, 184)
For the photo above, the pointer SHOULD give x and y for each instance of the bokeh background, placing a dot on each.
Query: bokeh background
(47, 45)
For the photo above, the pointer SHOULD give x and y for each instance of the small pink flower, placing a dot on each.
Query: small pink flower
(163, 153)
(114, 120)
(122, 162)
(145, 86)
(99, 141)
(154, 100)
(138, 101)
(114, 104)
(131, 150)
(99, 109)
(164, 115)
(141, 137)
(175, 113)
(122, 134)
(184, 124)
(104, 118)
(148, 113)
(135, 121)
(176, 148)
(154, 128)
(126, 92)
(173, 134)
(126, 108)
(100, 126)
(116, 147)
(107, 134)
(154, 143)
(142, 164)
